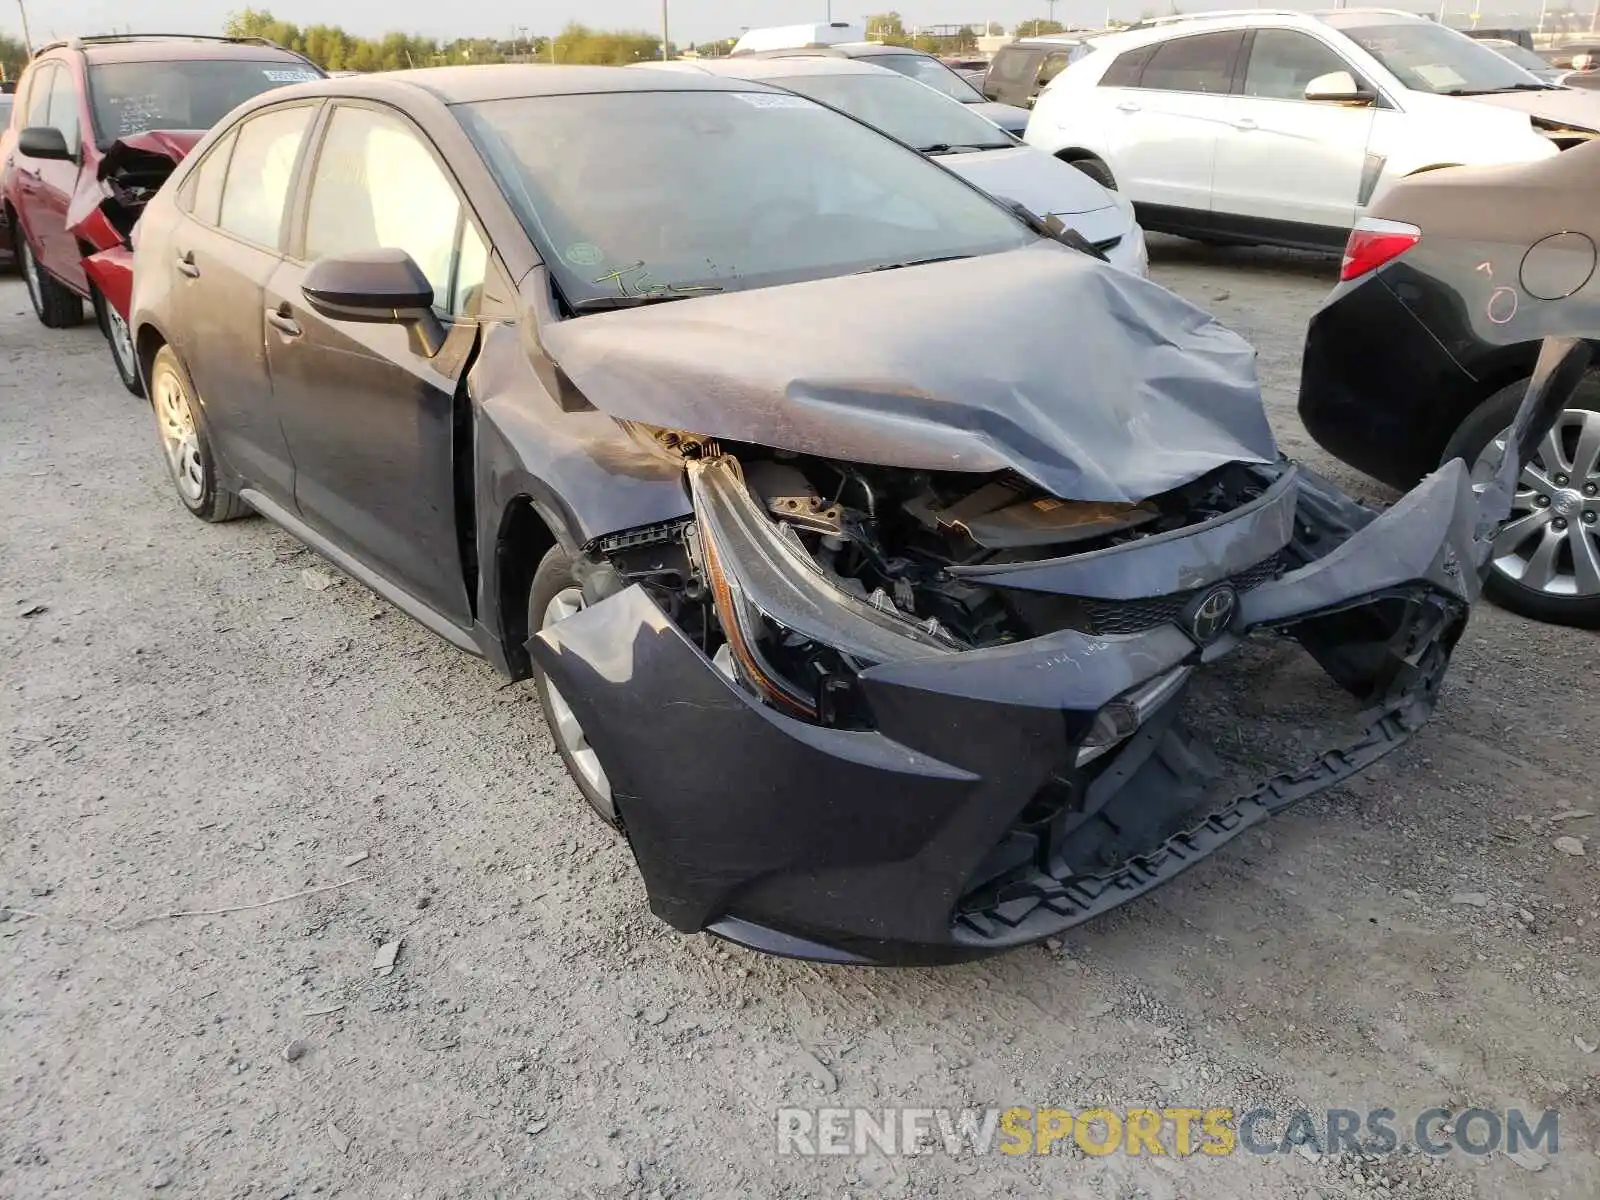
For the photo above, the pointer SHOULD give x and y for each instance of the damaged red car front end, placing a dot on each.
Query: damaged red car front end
(107, 204)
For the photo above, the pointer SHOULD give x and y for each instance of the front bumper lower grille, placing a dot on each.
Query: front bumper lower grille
(1136, 616)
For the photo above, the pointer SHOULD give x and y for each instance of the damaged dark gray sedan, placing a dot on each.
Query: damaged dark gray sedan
(904, 582)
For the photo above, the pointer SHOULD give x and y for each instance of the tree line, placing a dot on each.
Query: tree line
(333, 49)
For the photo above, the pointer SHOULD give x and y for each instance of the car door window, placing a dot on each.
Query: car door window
(64, 107)
(38, 97)
(1282, 62)
(259, 172)
(205, 193)
(1203, 63)
(1054, 64)
(378, 186)
(1126, 68)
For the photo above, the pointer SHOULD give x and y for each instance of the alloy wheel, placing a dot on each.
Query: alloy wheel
(179, 438)
(121, 339)
(564, 604)
(1551, 541)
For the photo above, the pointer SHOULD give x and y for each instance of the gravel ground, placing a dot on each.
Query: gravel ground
(186, 725)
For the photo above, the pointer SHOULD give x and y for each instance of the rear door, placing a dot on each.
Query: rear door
(1283, 157)
(371, 417)
(225, 249)
(1167, 121)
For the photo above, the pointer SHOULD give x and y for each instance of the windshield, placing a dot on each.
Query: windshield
(902, 108)
(680, 194)
(137, 97)
(1521, 55)
(1433, 58)
(931, 72)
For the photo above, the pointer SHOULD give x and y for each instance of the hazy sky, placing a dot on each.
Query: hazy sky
(691, 20)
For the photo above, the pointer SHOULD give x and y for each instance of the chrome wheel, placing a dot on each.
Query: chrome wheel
(179, 438)
(30, 272)
(565, 722)
(1551, 541)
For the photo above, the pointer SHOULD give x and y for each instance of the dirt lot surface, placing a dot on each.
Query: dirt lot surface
(188, 723)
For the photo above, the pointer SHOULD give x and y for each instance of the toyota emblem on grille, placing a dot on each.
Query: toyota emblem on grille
(1211, 613)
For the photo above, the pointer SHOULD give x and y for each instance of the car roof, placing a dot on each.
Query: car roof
(175, 47)
(839, 50)
(508, 81)
(1159, 29)
(747, 66)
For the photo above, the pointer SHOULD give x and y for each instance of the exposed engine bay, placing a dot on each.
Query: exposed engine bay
(889, 543)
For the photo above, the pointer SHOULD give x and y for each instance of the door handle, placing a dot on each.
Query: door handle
(1246, 124)
(280, 319)
(1127, 106)
(186, 265)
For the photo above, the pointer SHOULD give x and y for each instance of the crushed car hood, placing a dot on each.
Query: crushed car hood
(171, 144)
(1042, 184)
(1569, 106)
(1092, 383)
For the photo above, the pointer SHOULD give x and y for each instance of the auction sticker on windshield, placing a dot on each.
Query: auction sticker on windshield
(295, 75)
(584, 254)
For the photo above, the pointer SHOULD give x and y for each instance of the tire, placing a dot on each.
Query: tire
(191, 462)
(1563, 599)
(120, 340)
(1097, 171)
(56, 306)
(552, 579)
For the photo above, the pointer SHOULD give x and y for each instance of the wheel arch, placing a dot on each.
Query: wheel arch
(523, 537)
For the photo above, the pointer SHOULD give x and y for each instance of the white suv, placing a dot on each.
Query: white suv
(1280, 127)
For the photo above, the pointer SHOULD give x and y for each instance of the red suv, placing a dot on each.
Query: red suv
(96, 127)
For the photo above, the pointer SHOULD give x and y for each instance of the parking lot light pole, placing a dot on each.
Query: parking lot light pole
(27, 39)
(664, 37)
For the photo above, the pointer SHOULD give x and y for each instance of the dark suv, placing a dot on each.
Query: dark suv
(1022, 69)
(97, 125)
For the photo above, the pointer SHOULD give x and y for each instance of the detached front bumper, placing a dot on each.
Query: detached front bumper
(962, 823)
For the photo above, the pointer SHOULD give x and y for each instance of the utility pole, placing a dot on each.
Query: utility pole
(27, 40)
(665, 39)
(1051, 5)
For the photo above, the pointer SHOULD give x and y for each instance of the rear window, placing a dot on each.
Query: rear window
(1203, 63)
(137, 97)
(1125, 69)
(1014, 64)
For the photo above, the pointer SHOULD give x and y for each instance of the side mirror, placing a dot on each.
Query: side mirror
(1338, 87)
(376, 287)
(44, 141)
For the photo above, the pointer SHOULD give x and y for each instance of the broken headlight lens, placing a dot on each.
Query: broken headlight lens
(1121, 719)
(763, 580)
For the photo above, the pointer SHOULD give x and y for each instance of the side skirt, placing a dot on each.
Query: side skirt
(393, 593)
(1227, 227)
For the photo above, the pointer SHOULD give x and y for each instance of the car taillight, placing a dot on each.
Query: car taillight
(1373, 243)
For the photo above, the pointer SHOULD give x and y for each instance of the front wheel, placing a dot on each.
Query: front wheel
(553, 597)
(120, 338)
(1546, 558)
(190, 460)
(56, 305)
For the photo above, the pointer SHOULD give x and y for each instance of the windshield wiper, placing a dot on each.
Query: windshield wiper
(914, 262)
(608, 303)
(961, 147)
(1511, 87)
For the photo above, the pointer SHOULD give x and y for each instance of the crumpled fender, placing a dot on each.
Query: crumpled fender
(111, 273)
(89, 211)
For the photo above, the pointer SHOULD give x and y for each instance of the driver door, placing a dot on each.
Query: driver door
(370, 416)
